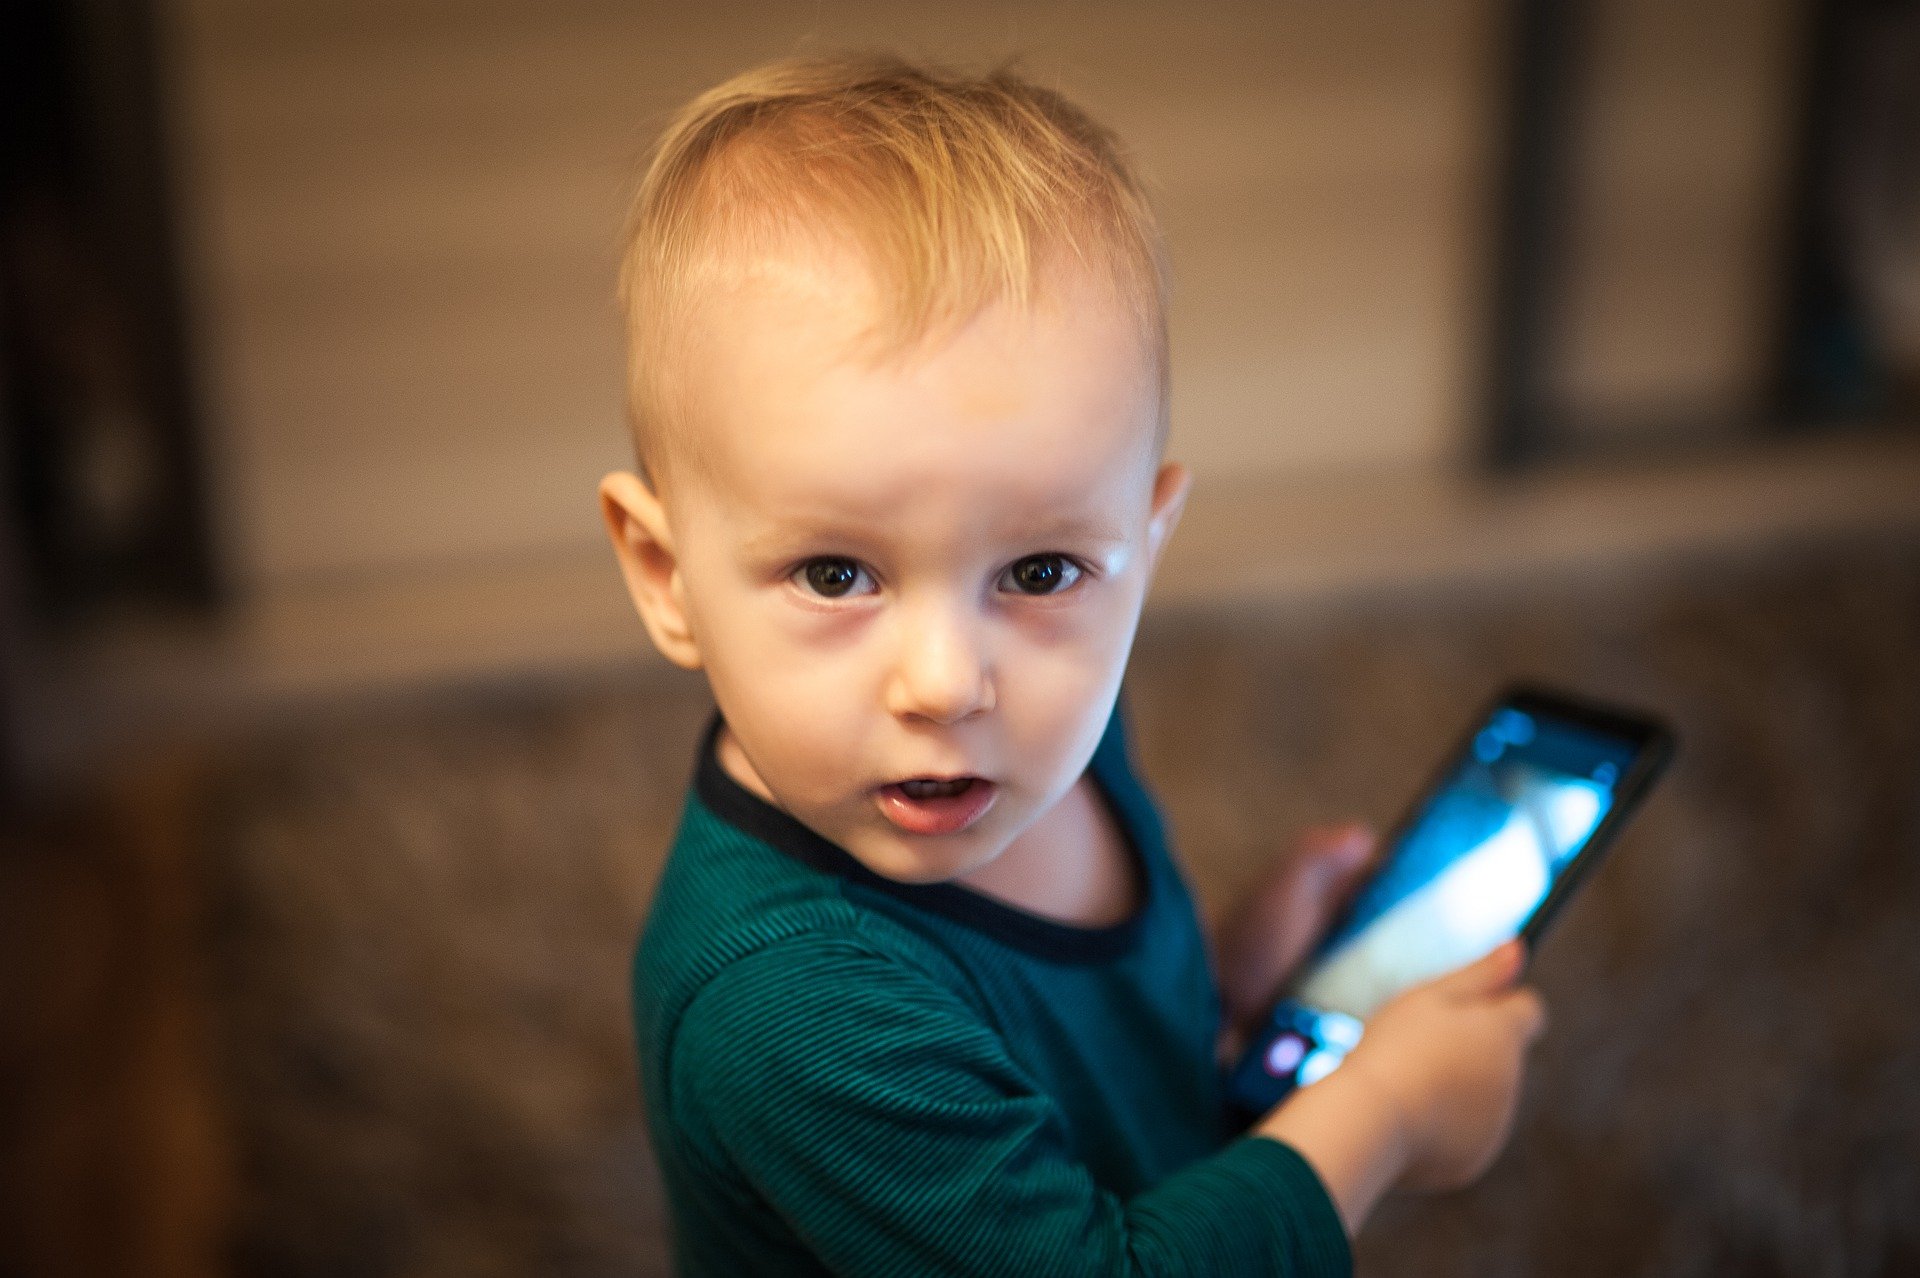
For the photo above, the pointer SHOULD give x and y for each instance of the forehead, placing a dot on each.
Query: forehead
(1017, 413)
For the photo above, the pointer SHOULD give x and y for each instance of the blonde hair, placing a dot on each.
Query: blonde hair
(957, 191)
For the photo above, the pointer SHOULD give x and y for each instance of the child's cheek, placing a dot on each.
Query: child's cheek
(821, 662)
(1054, 693)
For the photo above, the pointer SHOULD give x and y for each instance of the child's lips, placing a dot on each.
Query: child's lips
(925, 806)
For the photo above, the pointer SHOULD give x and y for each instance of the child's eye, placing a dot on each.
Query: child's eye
(832, 577)
(1040, 575)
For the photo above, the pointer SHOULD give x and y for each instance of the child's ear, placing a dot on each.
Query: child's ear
(1169, 500)
(644, 545)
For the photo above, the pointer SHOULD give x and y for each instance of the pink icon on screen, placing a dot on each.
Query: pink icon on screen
(1284, 1053)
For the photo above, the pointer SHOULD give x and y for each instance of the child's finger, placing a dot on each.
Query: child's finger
(1339, 848)
(1336, 857)
(1489, 974)
(1359, 856)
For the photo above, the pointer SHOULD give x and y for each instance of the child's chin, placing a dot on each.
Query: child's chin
(909, 859)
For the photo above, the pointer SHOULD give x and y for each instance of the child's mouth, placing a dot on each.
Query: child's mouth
(936, 805)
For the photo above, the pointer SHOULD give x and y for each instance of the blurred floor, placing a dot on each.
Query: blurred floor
(350, 999)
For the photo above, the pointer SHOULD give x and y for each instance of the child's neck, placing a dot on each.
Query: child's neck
(1071, 865)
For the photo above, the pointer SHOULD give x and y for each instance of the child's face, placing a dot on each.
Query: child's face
(913, 584)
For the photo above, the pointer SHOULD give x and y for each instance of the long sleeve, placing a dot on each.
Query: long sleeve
(887, 1128)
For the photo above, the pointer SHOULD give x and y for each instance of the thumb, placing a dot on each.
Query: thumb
(1327, 865)
(1489, 974)
(1338, 852)
(1350, 855)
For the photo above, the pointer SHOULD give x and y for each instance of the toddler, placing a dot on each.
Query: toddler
(922, 990)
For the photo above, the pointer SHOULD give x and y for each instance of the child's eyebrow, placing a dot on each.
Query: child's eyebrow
(1077, 528)
(789, 538)
(784, 540)
(796, 535)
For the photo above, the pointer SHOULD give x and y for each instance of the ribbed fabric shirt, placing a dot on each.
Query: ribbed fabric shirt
(845, 1074)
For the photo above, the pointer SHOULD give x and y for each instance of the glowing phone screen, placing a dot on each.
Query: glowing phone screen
(1473, 865)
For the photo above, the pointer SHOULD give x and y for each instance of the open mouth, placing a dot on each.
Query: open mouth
(928, 788)
(936, 805)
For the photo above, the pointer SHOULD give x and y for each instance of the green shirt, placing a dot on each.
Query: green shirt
(845, 1074)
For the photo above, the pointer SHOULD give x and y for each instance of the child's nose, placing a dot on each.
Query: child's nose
(940, 674)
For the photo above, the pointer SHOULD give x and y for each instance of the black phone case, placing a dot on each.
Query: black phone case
(1654, 745)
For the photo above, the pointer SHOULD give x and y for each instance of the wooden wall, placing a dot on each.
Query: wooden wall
(1676, 235)
(402, 213)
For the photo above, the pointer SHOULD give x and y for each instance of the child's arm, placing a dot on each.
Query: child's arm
(832, 1092)
(1427, 1098)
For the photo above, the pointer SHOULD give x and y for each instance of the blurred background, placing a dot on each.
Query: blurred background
(1576, 341)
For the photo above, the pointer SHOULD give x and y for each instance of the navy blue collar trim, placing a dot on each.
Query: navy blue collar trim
(1023, 930)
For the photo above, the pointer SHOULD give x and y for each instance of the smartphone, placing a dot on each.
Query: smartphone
(1514, 819)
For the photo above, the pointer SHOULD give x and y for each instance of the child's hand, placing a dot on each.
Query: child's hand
(1426, 1099)
(1447, 1058)
(1269, 931)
